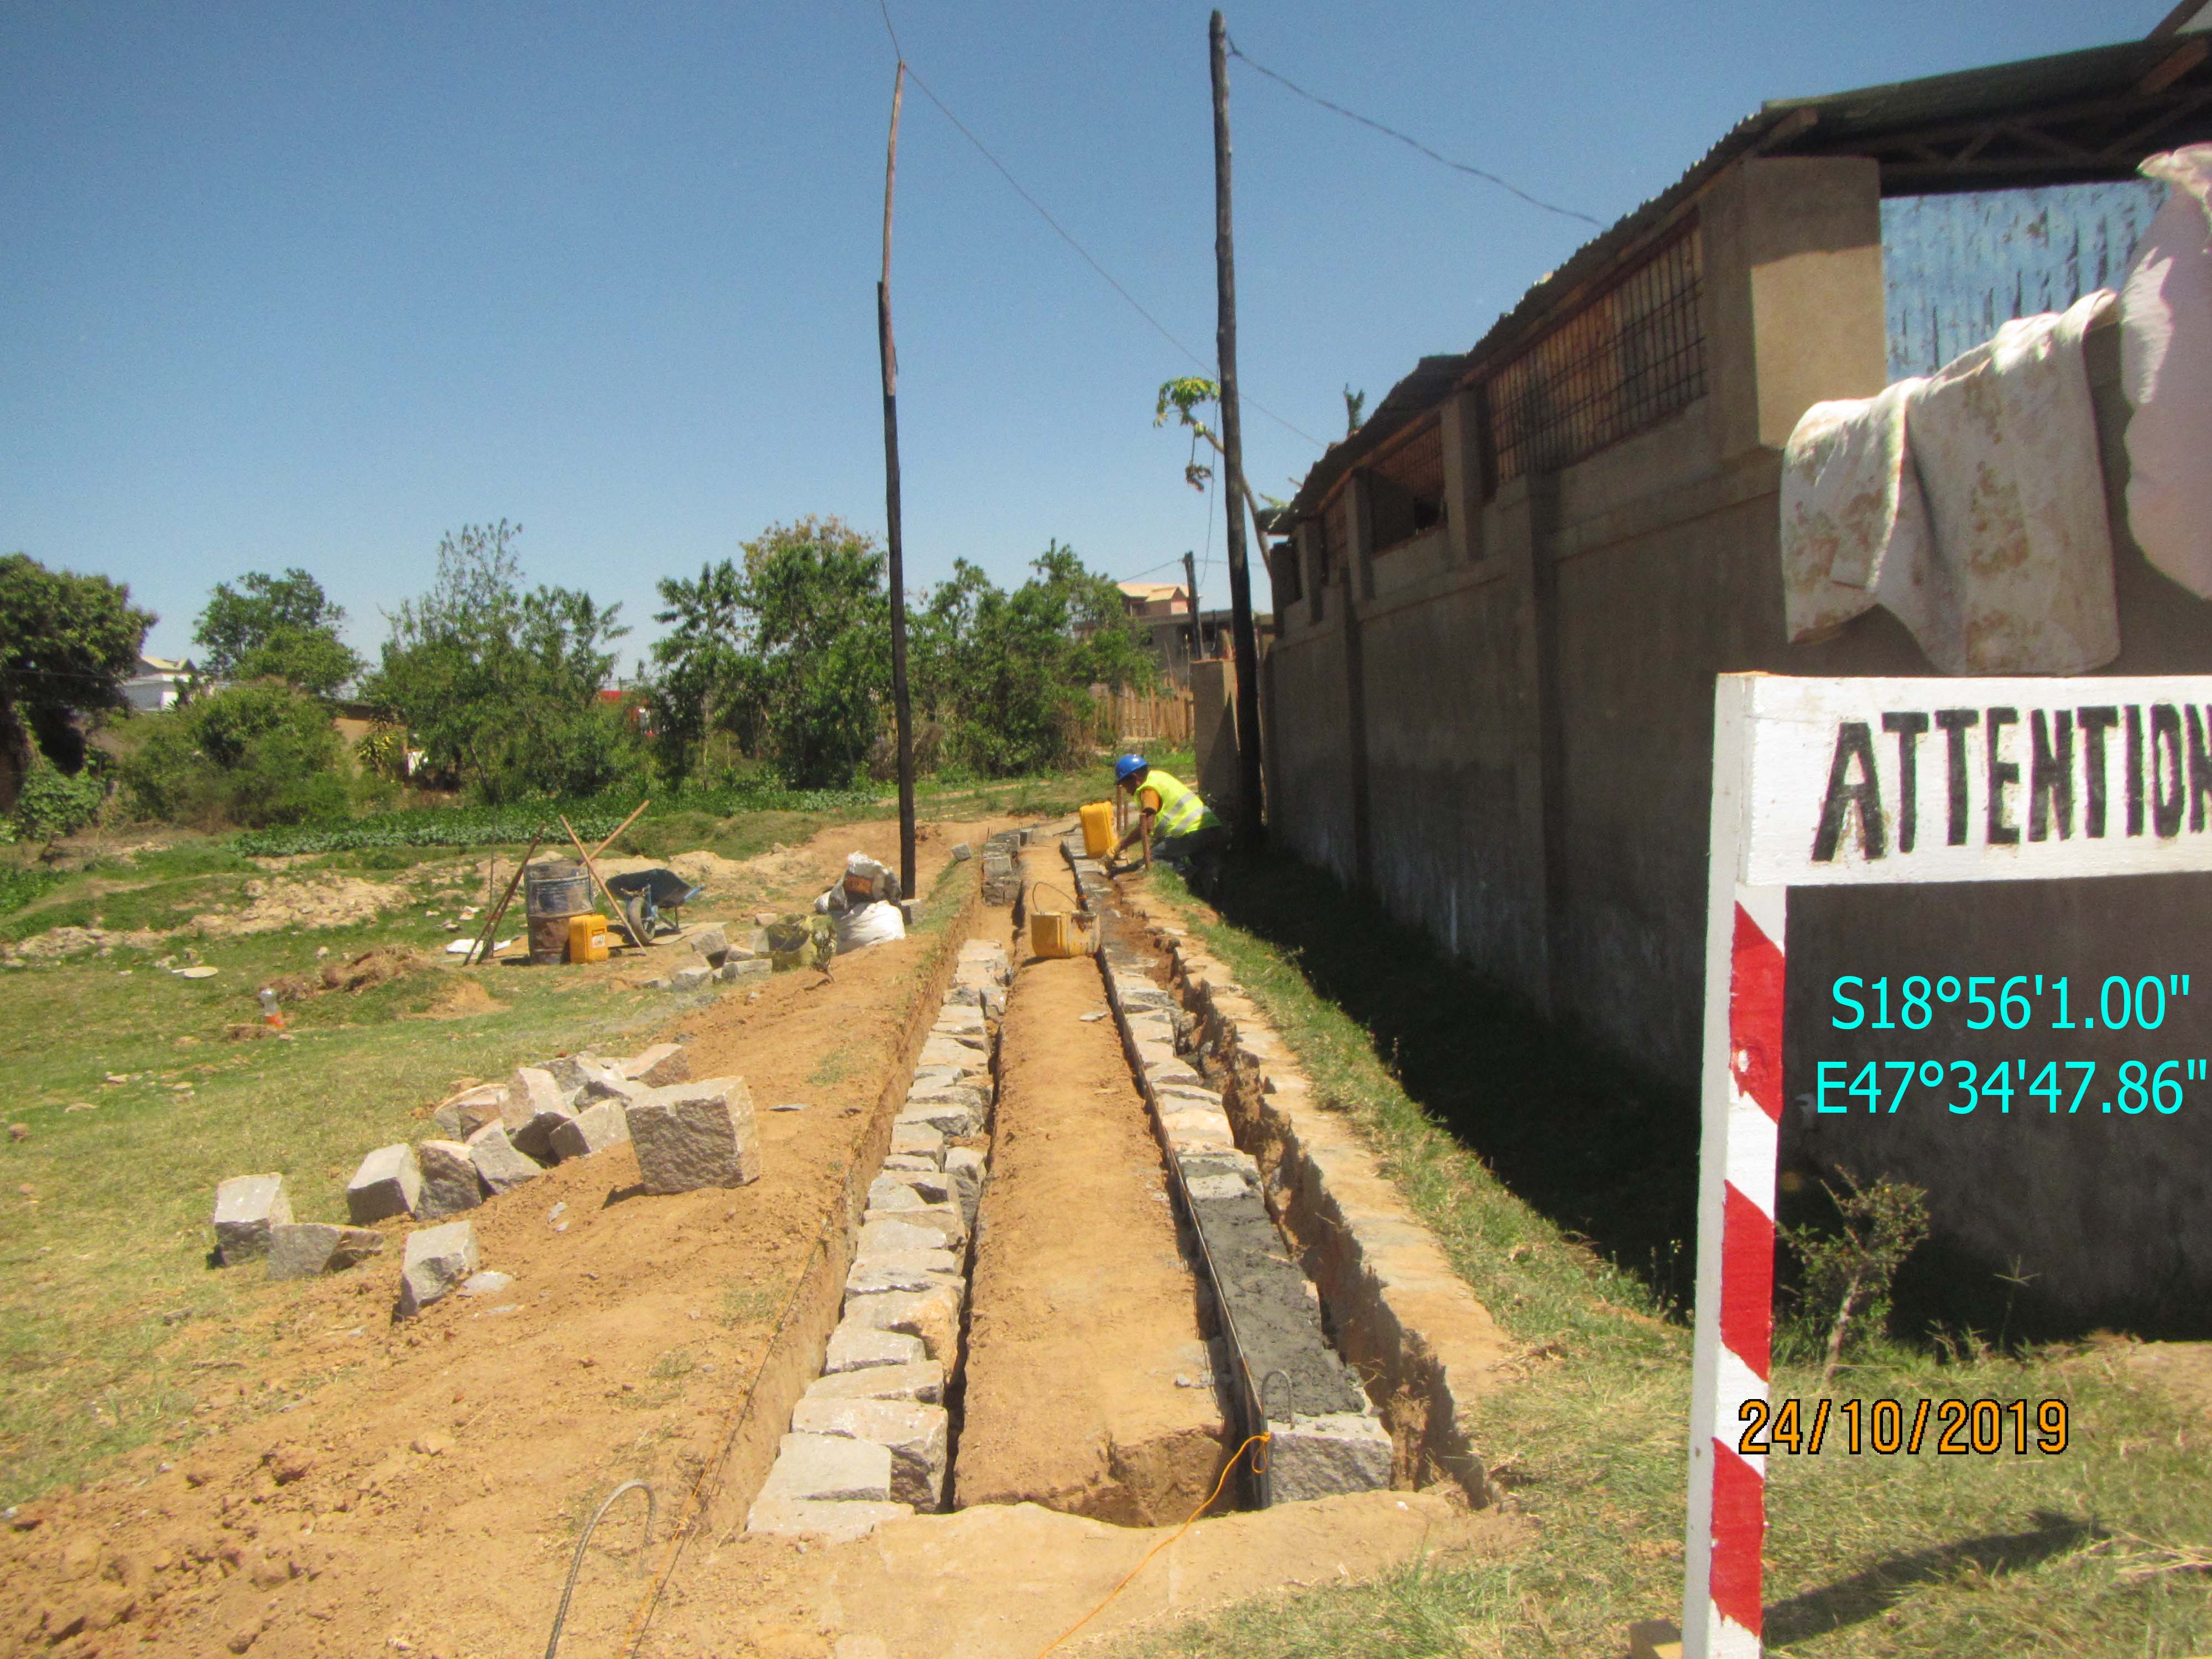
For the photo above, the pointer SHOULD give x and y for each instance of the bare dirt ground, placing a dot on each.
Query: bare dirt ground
(424, 1483)
(1003, 1581)
(1082, 1312)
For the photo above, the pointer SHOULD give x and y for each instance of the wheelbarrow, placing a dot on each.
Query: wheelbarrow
(647, 896)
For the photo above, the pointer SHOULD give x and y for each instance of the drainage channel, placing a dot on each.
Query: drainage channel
(1277, 1372)
(1066, 1288)
(1086, 1385)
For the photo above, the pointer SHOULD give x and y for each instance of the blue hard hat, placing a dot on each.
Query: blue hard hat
(1127, 766)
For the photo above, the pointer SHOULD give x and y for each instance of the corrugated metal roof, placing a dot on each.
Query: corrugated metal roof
(2099, 79)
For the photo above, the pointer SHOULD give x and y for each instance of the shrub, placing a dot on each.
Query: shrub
(250, 755)
(53, 803)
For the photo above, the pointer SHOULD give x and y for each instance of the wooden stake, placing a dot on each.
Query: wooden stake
(618, 918)
(902, 706)
(600, 850)
(1249, 827)
(483, 952)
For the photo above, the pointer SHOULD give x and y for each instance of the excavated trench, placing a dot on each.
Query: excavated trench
(1065, 1287)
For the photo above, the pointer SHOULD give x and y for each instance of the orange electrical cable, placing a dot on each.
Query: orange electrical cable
(1259, 1439)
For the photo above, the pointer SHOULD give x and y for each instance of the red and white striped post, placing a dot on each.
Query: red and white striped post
(1742, 1114)
(1826, 783)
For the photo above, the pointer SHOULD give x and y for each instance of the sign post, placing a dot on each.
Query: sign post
(1867, 781)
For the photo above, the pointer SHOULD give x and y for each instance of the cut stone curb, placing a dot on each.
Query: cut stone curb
(933, 1315)
(436, 1260)
(831, 1522)
(855, 1347)
(449, 1179)
(922, 1382)
(916, 1435)
(500, 1168)
(470, 1110)
(303, 1250)
(245, 1208)
(829, 1469)
(534, 1090)
(658, 1067)
(691, 1135)
(388, 1183)
(1321, 1456)
(592, 1130)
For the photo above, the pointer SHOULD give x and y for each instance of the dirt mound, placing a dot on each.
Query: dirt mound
(370, 969)
(464, 999)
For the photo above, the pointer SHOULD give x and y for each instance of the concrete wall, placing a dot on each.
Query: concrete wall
(1504, 733)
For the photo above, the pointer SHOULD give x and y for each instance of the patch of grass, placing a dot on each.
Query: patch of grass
(2083, 1553)
(19, 885)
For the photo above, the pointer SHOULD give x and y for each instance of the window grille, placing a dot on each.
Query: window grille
(1406, 489)
(1631, 355)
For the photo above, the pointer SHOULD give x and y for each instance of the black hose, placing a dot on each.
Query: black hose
(553, 1642)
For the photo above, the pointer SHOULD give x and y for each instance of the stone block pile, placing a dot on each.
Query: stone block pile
(709, 957)
(490, 1139)
(1002, 875)
(868, 1441)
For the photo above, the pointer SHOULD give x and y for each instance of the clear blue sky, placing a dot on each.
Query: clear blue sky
(309, 284)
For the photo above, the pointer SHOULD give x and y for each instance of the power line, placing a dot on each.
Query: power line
(1392, 132)
(1062, 231)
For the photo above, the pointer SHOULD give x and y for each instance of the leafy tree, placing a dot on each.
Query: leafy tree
(251, 755)
(67, 643)
(790, 655)
(500, 687)
(1010, 673)
(1186, 396)
(276, 627)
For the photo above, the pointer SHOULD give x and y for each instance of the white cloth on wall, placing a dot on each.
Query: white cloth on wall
(1970, 504)
(2166, 369)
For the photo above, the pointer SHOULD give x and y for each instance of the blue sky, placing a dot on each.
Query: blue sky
(311, 284)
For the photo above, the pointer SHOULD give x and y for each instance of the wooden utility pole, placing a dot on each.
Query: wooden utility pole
(1190, 581)
(902, 709)
(1249, 827)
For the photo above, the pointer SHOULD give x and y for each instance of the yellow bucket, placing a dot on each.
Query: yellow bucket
(587, 938)
(1099, 828)
(1059, 933)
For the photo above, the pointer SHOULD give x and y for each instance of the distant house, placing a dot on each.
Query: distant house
(1164, 611)
(159, 684)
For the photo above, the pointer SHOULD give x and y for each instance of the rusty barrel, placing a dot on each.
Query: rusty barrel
(553, 889)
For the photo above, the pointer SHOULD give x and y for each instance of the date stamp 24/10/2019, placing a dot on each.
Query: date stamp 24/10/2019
(1963, 1428)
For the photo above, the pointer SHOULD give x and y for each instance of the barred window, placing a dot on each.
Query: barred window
(1406, 489)
(1633, 353)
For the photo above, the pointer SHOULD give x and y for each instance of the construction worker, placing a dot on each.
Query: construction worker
(1173, 821)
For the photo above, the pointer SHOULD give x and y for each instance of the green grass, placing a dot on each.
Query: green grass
(2084, 1553)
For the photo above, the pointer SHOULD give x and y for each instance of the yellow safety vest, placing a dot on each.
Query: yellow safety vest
(1181, 808)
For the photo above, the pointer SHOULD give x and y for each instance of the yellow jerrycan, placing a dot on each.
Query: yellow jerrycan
(1099, 828)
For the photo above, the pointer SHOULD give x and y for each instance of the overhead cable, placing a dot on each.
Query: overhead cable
(1062, 231)
(1392, 132)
